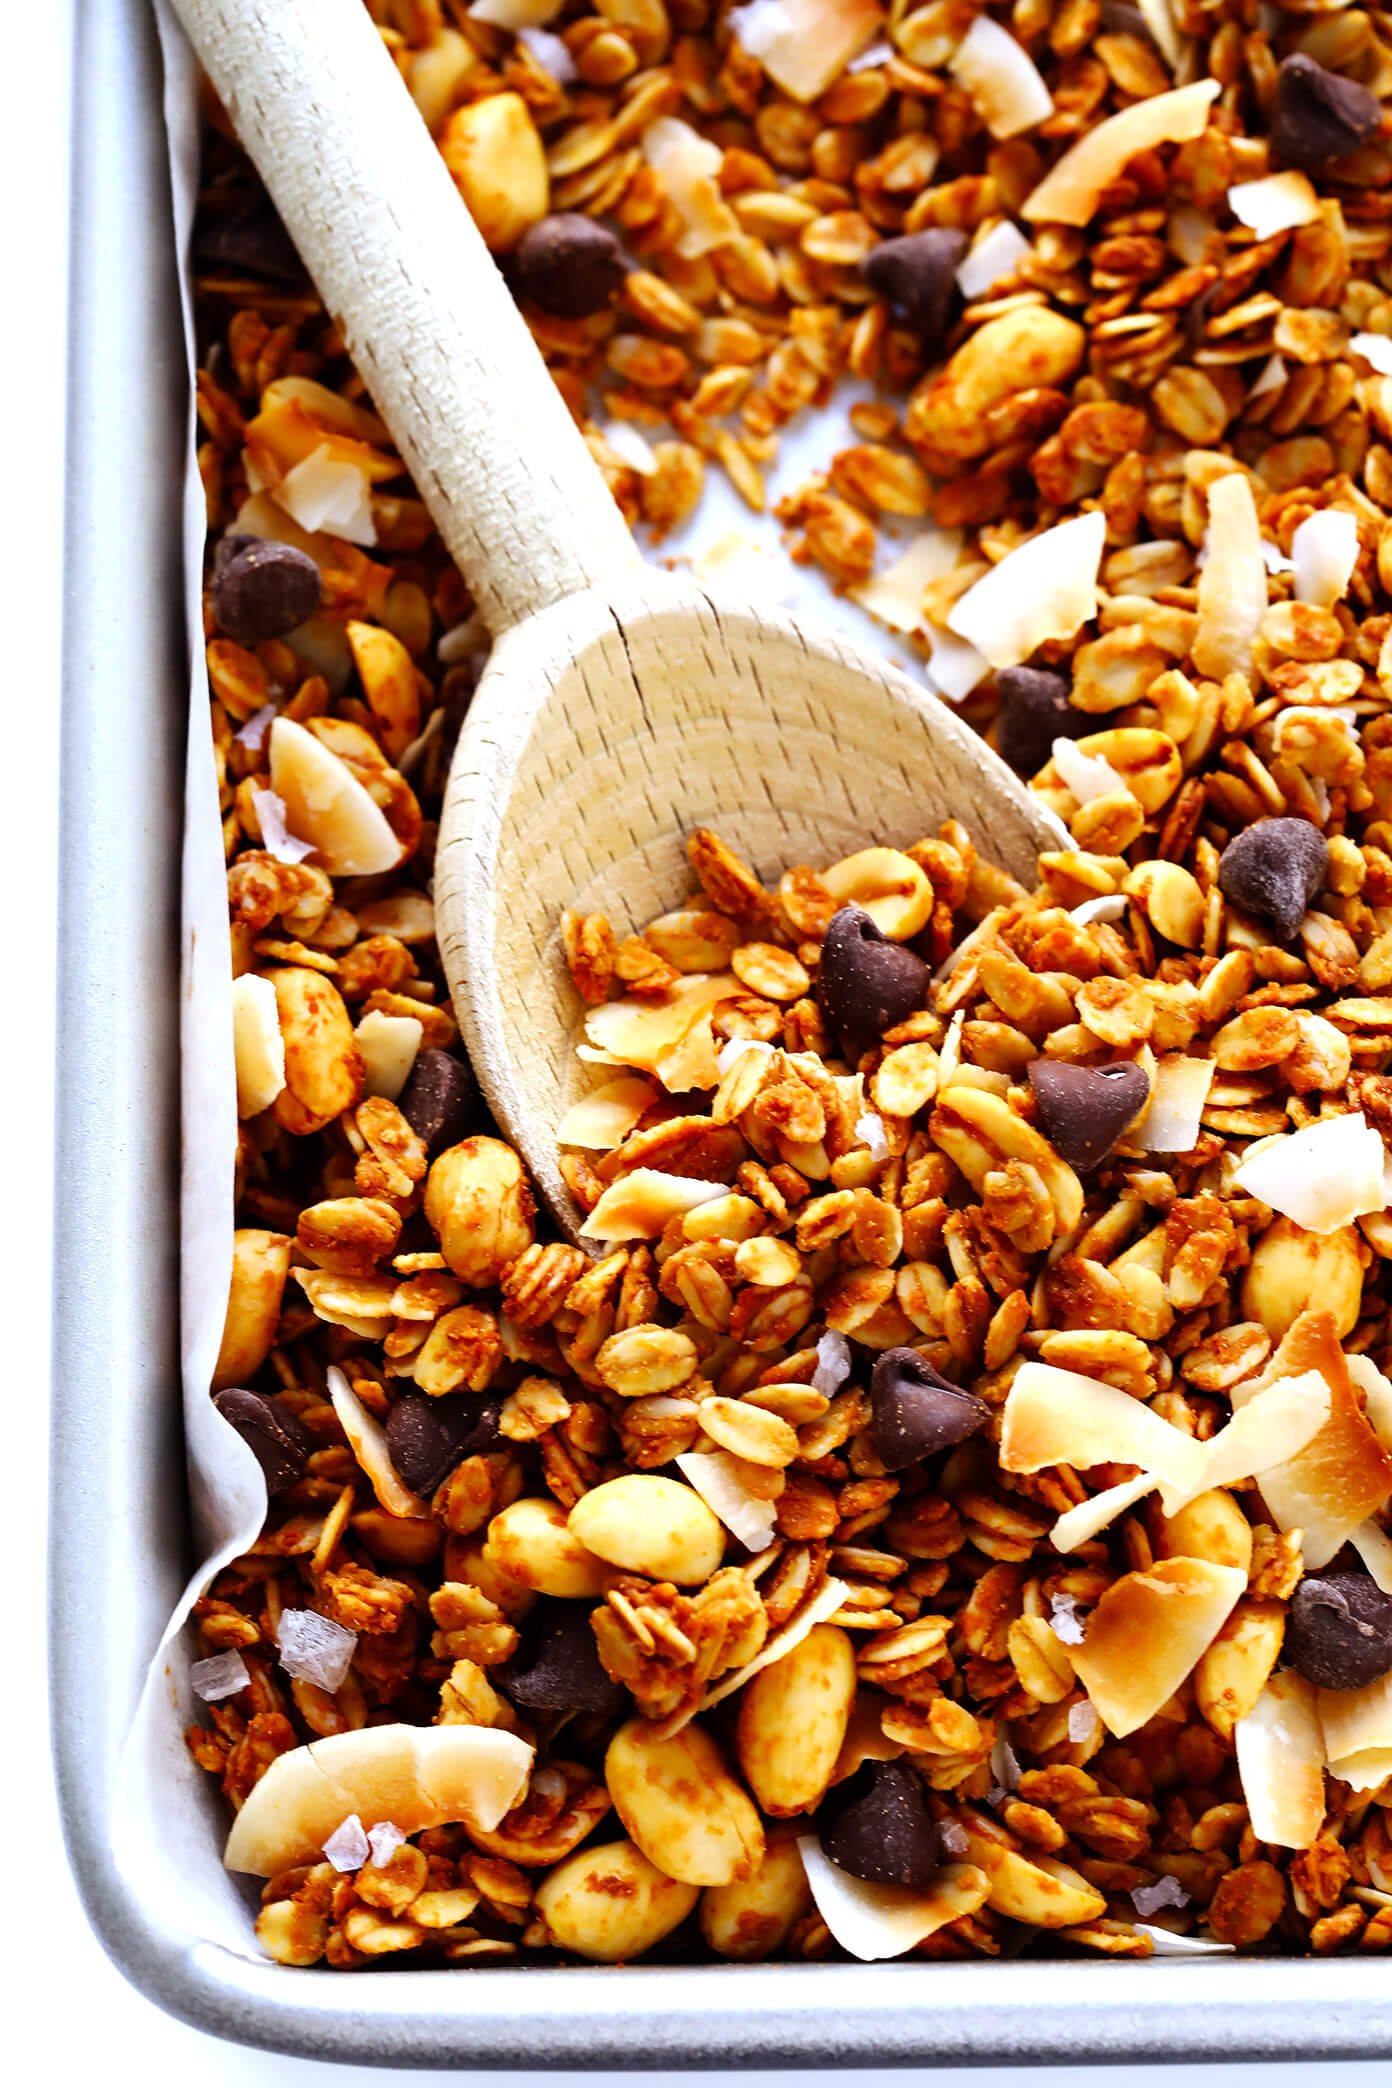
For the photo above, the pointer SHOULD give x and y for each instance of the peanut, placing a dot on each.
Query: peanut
(610, 1904)
(650, 1525)
(681, 1805)
(478, 1201)
(748, 1918)
(532, 1545)
(793, 1720)
(323, 1065)
(260, 1264)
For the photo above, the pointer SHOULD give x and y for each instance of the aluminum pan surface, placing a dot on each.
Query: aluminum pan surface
(119, 1550)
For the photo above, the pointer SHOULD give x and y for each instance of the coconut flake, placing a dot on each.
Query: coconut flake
(275, 830)
(348, 1847)
(1377, 1396)
(1067, 1624)
(1280, 1759)
(996, 255)
(833, 1363)
(314, 1648)
(384, 1840)
(258, 1047)
(1088, 776)
(1045, 589)
(1375, 349)
(1109, 906)
(1322, 1177)
(1165, 1943)
(551, 53)
(805, 45)
(640, 1204)
(368, 1441)
(1165, 1892)
(604, 1117)
(1357, 1726)
(515, 14)
(1082, 1721)
(639, 1033)
(1374, 1548)
(1178, 1097)
(631, 447)
(1053, 1416)
(1070, 192)
(220, 1675)
(1275, 203)
(1324, 552)
(325, 492)
(1273, 1427)
(1158, 16)
(1078, 1526)
(717, 1479)
(252, 735)
(895, 596)
(735, 1048)
(1148, 1633)
(955, 667)
(1002, 80)
(688, 167)
(1272, 376)
(870, 1130)
(815, 1610)
(388, 1044)
(873, 1922)
(1232, 590)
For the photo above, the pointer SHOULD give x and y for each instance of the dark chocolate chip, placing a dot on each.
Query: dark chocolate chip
(558, 1668)
(1274, 868)
(1339, 1630)
(1085, 1109)
(439, 1100)
(569, 265)
(1034, 712)
(1318, 115)
(916, 1411)
(250, 241)
(427, 1437)
(281, 1442)
(877, 1825)
(917, 274)
(264, 590)
(865, 982)
(1119, 19)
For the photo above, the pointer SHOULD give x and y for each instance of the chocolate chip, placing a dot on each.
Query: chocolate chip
(439, 1100)
(427, 1437)
(251, 241)
(1118, 19)
(877, 1825)
(1339, 1630)
(281, 1442)
(569, 265)
(1034, 712)
(264, 590)
(1274, 868)
(558, 1667)
(916, 1411)
(865, 983)
(1319, 116)
(1085, 1109)
(918, 276)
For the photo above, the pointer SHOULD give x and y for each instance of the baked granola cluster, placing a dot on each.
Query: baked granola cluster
(945, 1501)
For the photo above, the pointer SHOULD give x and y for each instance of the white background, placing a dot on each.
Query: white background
(68, 2013)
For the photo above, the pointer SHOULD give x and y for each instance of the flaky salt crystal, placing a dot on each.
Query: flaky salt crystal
(551, 53)
(870, 1131)
(1005, 1764)
(833, 1363)
(221, 1675)
(275, 829)
(326, 492)
(1082, 1722)
(995, 257)
(315, 1649)
(1165, 1892)
(1067, 1624)
(954, 1839)
(252, 735)
(384, 1840)
(348, 1848)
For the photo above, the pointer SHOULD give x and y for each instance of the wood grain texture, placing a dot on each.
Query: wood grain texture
(426, 316)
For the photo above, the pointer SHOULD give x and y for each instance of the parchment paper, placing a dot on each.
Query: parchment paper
(169, 1823)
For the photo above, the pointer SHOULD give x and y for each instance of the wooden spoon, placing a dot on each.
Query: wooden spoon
(620, 706)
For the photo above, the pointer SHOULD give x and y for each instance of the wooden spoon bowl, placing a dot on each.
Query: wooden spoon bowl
(620, 707)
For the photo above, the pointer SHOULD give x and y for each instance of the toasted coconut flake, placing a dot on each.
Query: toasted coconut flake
(692, 1061)
(1158, 16)
(1276, 203)
(717, 1479)
(805, 45)
(368, 1441)
(1111, 906)
(327, 806)
(1045, 589)
(515, 14)
(1165, 1943)
(639, 1205)
(997, 255)
(1280, 1758)
(1269, 1430)
(1071, 191)
(1374, 1548)
(688, 166)
(257, 1044)
(1375, 349)
(599, 1120)
(1272, 376)
(388, 1044)
(818, 1607)
(1147, 1634)
(1178, 1096)
(1232, 592)
(1323, 1177)
(1357, 1726)
(1055, 1416)
(1324, 552)
(955, 667)
(1377, 1396)
(874, 1922)
(328, 493)
(416, 1776)
(275, 830)
(1078, 1526)
(1343, 1475)
(1088, 776)
(637, 1033)
(895, 596)
(1002, 80)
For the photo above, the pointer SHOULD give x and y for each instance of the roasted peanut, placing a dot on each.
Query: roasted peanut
(793, 1719)
(610, 1904)
(681, 1805)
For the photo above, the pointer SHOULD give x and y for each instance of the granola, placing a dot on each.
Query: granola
(947, 1507)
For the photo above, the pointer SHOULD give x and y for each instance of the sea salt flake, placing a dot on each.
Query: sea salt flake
(384, 1840)
(1165, 1892)
(1375, 349)
(994, 258)
(1082, 1721)
(275, 829)
(954, 1839)
(348, 1847)
(221, 1675)
(551, 53)
(252, 735)
(870, 1131)
(1067, 1624)
(1005, 1764)
(833, 1363)
(315, 1649)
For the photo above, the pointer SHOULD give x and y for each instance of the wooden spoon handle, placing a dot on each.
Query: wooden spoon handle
(426, 316)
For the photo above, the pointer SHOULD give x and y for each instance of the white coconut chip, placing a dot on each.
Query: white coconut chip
(1178, 1097)
(220, 1675)
(1002, 80)
(1374, 1548)
(1324, 552)
(515, 14)
(275, 829)
(1005, 1764)
(1280, 1759)
(1109, 906)
(258, 1048)
(895, 596)
(252, 735)
(1046, 589)
(870, 1130)
(1232, 590)
(631, 447)
(1377, 1396)
(368, 1441)
(1322, 1177)
(805, 45)
(1063, 1617)
(606, 1115)
(1357, 1725)
(815, 1610)
(1275, 203)
(874, 1922)
(1165, 1943)
(348, 1847)
(734, 1049)
(639, 1205)
(1272, 376)
(552, 54)
(1078, 1526)
(1158, 16)
(330, 493)
(1375, 349)
(955, 667)
(1088, 776)
(995, 256)
(384, 1840)
(688, 167)
(1165, 1892)
(389, 1044)
(716, 1477)
(1070, 192)
(833, 1363)
(314, 1648)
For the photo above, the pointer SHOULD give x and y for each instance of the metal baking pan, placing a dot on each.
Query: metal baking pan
(120, 1549)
